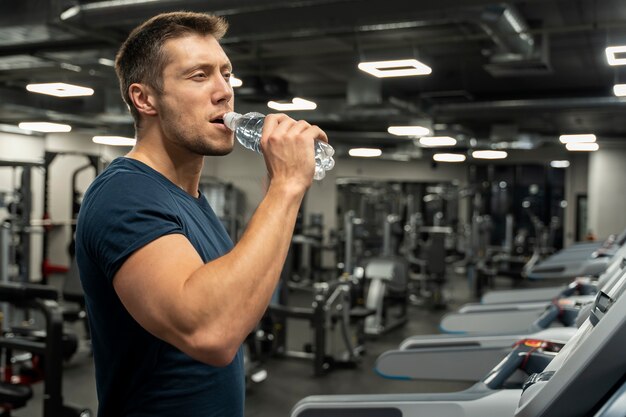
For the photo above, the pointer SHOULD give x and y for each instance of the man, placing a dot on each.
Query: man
(170, 299)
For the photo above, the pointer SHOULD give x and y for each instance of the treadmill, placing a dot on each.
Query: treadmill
(468, 357)
(538, 297)
(580, 378)
(498, 318)
(548, 293)
(579, 260)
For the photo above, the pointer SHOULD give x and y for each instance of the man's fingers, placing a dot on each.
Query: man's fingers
(319, 133)
(280, 125)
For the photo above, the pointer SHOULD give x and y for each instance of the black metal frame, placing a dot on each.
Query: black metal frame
(44, 299)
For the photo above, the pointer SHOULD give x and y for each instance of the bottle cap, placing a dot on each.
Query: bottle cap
(230, 119)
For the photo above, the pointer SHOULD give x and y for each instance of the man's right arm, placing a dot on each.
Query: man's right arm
(207, 310)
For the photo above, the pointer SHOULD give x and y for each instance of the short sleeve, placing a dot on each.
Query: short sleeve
(125, 213)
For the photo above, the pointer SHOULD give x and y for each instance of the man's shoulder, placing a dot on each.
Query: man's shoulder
(123, 180)
(121, 193)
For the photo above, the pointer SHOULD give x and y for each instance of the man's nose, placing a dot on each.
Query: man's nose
(223, 91)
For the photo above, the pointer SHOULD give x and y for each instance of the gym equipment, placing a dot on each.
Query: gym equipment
(331, 306)
(457, 358)
(428, 284)
(515, 221)
(93, 161)
(252, 359)
(525, 317)
(387, 284)
(578, 260)
(428, 357)
(44, 299)
(74, 308)
(589, 369)
(387, 287)
(508, 318)
(228, 202)
(578, 379)
(581, 284)
(614, 407)
(19, 218)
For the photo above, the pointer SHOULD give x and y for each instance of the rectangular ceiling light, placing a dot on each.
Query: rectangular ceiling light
(416, 131)
(106, 61)
(296, 104)
(114, 140)
(234, 81)
(616, 55)
(397, 68)
(489, 154)
(619, 90)
(437, 141)
(584, 147)
(559, 164)
(584, 138)
(449, 157)
(45, 127)
(365, 152)
(60, 89)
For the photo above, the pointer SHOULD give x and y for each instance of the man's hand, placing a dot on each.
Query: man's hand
(288, 149)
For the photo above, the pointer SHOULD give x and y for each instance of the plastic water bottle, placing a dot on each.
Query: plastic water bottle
(249, 127)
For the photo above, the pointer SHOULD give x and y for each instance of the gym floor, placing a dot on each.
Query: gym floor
(290, 380)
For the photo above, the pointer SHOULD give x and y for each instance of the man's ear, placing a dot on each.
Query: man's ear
(142, 98)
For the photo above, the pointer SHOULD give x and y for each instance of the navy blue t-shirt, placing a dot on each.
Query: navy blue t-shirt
(138, 375)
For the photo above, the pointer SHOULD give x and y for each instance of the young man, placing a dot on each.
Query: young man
(170, 300)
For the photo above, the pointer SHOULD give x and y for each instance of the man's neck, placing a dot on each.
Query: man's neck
(179, 166)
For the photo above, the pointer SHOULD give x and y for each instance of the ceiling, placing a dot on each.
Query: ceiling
(510, 74)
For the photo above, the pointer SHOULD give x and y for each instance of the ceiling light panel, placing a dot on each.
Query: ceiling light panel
(296, 104)
(416, 131)
(60, 89)
(234, 81)
(449, 157)
(559, 164)
(114, 140)
(365, 152)
(583, 138)
(106, 62)
(616, 55)
(489, 154)
(45, 127)
(583, 147)
(619, 90)
(437, 141)
(397, 68)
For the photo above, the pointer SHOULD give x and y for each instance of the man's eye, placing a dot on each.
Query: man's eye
(199, 75)
(227, 75)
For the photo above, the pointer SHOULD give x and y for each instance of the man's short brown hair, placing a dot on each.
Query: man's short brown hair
(141, 58)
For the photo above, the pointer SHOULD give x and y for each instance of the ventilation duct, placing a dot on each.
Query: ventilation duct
(508, 29)
(518, 53)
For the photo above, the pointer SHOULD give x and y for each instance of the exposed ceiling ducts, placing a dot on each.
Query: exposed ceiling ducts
(485, 57)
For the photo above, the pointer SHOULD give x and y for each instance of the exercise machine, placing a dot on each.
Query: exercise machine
(386, 279)
(430, 357)
(331, 307)
(577, 379)
(523, 317)
(578, 260)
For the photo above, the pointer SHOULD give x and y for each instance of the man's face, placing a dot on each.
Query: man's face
(196, 94)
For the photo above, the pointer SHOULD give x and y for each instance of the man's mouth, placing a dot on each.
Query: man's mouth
(218, 120)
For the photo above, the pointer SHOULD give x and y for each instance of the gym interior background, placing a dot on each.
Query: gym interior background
(387, 244)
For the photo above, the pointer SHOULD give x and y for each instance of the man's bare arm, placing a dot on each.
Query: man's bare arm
(207, 310)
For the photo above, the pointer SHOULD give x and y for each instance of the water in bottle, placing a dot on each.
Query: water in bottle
(249, 127)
